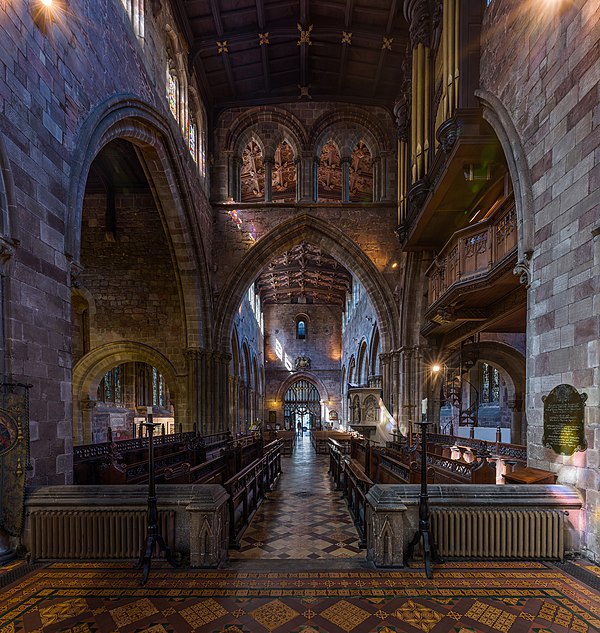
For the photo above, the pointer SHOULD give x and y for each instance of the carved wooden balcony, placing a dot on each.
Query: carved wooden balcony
(474, 268)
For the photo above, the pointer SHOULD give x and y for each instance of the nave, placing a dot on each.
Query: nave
(299, 570)
(304, 518)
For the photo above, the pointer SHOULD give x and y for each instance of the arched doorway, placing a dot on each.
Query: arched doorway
(302, 404)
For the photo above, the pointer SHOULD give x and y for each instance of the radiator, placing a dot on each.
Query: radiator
(499, 533)
(93, 534)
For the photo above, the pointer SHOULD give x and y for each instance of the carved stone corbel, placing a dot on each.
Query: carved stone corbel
(523, 270)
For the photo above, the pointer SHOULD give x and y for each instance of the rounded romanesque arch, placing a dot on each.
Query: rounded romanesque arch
(333, 241)
(126, 117)
(272, 124)
(89, 371)
(348, 127)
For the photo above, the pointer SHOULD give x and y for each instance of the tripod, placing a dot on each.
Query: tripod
(153, 535)
(424, 533)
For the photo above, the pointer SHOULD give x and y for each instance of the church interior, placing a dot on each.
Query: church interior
(300, 316)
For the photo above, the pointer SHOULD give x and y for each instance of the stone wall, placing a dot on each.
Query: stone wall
(544, 68)
(54, 84)
(130, 303)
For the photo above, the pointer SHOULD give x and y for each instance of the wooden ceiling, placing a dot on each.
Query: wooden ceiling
(304, 274)
(250, 52)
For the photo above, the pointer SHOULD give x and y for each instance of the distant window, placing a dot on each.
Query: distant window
(193, 139)
(301, 329)
(490, 384)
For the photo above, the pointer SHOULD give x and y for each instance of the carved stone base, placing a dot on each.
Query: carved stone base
(385, 527)
(209, 527)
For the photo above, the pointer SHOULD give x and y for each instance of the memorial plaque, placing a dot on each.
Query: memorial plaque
(564, 409)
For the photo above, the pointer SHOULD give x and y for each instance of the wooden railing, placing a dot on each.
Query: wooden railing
(351, 479)
(514, 452)
(248, 488)
(475, 250)
(319, 440)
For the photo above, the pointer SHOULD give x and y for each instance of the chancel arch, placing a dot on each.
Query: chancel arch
(315, 231)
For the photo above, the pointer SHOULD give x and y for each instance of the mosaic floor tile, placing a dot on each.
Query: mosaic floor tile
(304, 517)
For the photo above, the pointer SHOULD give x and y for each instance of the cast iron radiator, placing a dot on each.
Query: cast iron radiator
(465, 532)
(93, 534)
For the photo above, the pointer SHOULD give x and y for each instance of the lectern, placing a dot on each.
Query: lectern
(424, 532)
(153, 535)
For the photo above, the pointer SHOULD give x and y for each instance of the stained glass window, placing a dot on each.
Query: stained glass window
(490, 384)
(193, 139)
(110, 388)
(173, 93)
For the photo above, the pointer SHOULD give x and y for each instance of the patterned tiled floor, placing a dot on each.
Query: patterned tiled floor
(303, 518)
(461, 598)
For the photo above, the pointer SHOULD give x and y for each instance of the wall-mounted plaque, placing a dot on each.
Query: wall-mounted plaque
(564, 409)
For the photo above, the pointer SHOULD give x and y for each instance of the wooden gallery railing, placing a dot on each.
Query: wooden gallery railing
(249, 487)
(475, 250)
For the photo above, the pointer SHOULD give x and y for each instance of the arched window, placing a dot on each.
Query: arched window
(193, 138)
(301, 329)
(110, 389)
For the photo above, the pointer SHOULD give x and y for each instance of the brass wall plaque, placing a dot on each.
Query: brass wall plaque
(564, 409)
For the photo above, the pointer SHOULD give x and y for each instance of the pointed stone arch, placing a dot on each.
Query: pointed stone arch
(303, 375)
(496, 114)
(333, 241)
(158, 149)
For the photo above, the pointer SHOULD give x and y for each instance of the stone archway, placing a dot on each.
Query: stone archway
(127, 118)
(333, 241)
(495, 113)
(88, 373)
(512, 363)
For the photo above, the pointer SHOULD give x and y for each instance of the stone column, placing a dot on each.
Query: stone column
(376, 179)
(306, 178)
(517, 436)
(86, 412)
(268, 164)
(384, 361)
(411, 385)
(193, 356)
(345, 165)
(234, 185)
